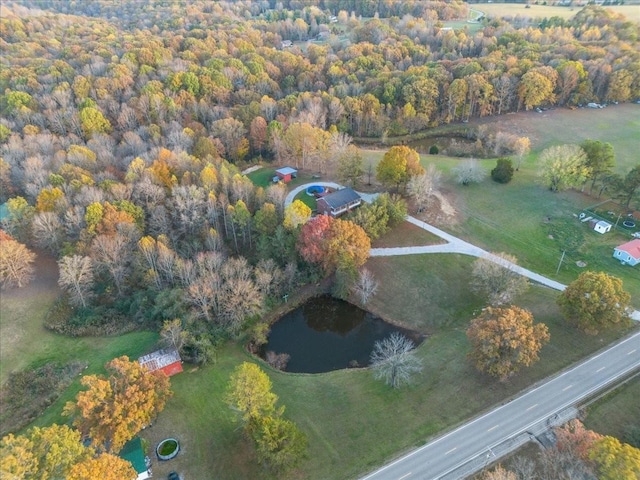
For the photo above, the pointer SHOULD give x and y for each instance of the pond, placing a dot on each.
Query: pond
(328, 334)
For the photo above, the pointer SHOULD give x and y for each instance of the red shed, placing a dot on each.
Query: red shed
(168, 360)
(285, 174)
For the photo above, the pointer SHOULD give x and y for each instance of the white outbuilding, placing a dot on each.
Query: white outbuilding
(602, 227)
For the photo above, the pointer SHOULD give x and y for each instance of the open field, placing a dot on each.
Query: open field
(612, 414)
(632, 12)
(616, 124)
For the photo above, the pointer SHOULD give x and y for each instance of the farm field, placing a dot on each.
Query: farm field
(632, 12)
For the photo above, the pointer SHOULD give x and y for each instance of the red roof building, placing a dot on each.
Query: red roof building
(628, 253)
(168, 360)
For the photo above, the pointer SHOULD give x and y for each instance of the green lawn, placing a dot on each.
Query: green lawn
(308, 200)
(612, 414)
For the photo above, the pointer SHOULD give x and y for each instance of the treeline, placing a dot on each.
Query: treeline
(173, 64)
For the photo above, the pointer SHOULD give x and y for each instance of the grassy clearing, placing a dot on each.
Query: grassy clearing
(632, 12)
(612, 414)
(617, 124)
(406, 235)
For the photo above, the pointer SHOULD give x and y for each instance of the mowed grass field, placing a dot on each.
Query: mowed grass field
(632, 12)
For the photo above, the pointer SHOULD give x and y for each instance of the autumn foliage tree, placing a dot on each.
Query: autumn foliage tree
(398, 165)
(503, 340)
(16, 262)
(115, 408)
(615, 460)
(105, 466)
(331, 242)
(41, 453)
(595, 301)
(279, 443)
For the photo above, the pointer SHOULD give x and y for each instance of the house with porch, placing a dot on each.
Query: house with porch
(628, 253)
(338, 202)
(133, 452)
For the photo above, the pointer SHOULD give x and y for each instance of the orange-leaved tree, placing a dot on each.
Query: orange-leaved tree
(115, 408)
(331, 242)
(504, 340)
(104, 466)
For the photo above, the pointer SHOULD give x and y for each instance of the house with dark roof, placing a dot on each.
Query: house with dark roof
(628, 253)
(338, 202)
(168, 360)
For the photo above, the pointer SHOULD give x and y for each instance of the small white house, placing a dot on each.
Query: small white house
(602, 227)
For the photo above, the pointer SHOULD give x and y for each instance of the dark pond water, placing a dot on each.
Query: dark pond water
(327, 334)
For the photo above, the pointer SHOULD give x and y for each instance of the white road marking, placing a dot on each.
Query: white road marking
(600, 369)
(454, 448)
(404, 476)
(567, 388)
(632, 351)
(532, 406)
(493, 428)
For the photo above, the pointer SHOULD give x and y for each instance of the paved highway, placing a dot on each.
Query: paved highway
(537, 407)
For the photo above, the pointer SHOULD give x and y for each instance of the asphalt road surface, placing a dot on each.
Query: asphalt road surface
(481, 437)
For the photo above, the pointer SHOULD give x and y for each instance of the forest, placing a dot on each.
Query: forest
(125, 128)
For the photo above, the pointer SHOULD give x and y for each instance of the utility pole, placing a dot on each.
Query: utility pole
(561, 258)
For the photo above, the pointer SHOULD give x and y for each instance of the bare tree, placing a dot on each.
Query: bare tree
(422, 187)
(393, 359)
(16, 262)
(76, 278)
(111, 252)
(494, 278)
(366, 286)
(47, 231)
(469, 171)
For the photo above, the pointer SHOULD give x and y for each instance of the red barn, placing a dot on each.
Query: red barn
(285, 174)
(168, 360)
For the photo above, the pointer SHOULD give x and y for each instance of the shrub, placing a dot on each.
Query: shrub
(434, 150)
(503, 173)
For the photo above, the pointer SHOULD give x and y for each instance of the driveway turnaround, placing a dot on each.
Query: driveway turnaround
(484, 439)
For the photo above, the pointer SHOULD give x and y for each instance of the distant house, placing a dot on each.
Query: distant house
(134, 453)
(287, 44)
(339, 202)
(602, 226)
(628, 253)
(168, 360)
(285, 174)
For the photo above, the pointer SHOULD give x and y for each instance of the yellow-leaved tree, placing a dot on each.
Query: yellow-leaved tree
(42, 453)
(115, 408)
(104, 466)
(296, 214)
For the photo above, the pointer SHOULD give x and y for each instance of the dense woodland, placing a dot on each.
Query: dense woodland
(125, 125)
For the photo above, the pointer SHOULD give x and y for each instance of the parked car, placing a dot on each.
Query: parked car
(173, 476)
